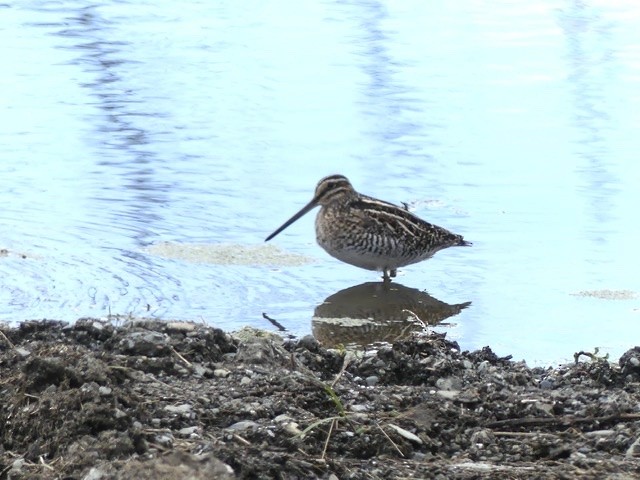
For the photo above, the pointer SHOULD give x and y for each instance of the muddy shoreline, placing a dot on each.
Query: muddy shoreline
(177, 400)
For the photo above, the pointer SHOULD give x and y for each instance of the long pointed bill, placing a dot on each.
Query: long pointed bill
(305, 209)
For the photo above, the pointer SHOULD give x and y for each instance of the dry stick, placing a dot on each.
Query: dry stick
(241, 439)
(275, 323)
(415, 317)
(524, 434)
(42, 462)
(326, 442)
(389, 438)
(345, 363)
(562, 422)
(6, 339)
(187, 362)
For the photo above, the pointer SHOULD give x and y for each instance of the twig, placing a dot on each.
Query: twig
(415, 316)
(315, 424)
(44, 464)
(563, 421)
(241, 439)
(326, 442)
(593, 356)
(274, 322)
(187, 362)
(389, 438)
(523, 434)
(345, 363)
(6, 339)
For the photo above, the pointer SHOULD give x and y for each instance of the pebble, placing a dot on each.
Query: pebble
(181, 327)
(482, 437)
(95, 474)
(547, 408)
(448, 394)
(243, 425)
(292, 429)
(282, 418)
(547, 384)
(17, 464)
(449, 383)
(164, 440)
(372, 380)
(144, 343)
(104, 391)
(221, 372)
(183, 409)
(22, 352)
(599, 433)
(199, 370)
(359, 408)
(188, 431)
(309, 342)
(406, 434)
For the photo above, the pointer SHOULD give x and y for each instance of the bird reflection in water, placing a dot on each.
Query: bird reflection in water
(376, 312)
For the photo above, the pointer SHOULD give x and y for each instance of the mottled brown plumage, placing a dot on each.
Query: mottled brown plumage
(370, 233)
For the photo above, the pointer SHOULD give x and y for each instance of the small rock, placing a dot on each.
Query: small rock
(183, 409)
(449, 383)
(599, 433)
(359, 408)
(630, 362)
(546, 408)
(308, 342)
(180, 327)
(104, 391)
(22, 352)
(483, 437)
(94, 474)
(282, 418)
(164, 440)
(372, 380)
(448, 394)
(483, 366)
(245, 381)
(406, 434)
(292, 429)
(188, 431)
(144, 343)
(547, 384)
(17, 464)
(199, 370)
(243, 425)
(221, 372)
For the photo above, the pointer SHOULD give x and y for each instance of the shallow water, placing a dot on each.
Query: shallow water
(128, 127)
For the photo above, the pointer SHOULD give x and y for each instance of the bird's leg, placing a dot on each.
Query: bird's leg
(385, 275)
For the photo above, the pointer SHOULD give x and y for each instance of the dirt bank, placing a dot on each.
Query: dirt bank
(150, 400)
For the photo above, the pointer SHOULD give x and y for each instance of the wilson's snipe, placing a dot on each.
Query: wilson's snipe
(370, 233)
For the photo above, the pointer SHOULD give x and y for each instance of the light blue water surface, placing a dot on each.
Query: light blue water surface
(124, 124)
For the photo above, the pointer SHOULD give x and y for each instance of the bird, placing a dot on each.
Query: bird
(370, 233)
